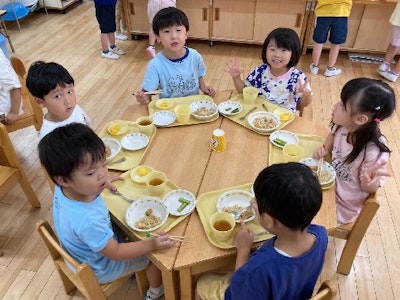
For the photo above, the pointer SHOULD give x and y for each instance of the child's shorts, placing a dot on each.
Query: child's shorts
(105, 15)
(134, 265)
(395, 36)
(213, 286)
(335, 26)
(154, 6)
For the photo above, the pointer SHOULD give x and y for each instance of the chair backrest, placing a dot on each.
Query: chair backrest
(33, 113)
(326, 292)
(83, 277)
(354, 232)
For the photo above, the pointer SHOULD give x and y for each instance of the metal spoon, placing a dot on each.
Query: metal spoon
(250, 111)
(266, 109)
(238, 214)
(127, 198)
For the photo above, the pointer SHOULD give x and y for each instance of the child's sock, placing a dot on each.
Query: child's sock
(155, 293)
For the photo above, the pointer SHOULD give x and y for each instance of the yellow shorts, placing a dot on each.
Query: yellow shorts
(213, 286)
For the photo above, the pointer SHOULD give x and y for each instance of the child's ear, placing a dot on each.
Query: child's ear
(361, 119)
(61, 181)
(39, 101)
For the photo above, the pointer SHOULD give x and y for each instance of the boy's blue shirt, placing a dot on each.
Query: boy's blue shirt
(176, 78)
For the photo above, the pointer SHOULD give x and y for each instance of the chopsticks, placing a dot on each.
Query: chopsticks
(320, 164)
(156, 92)
(171, 237)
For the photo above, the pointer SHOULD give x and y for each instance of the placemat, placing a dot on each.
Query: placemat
(207, 205)
(246, 108)
(133, 158)
(118, 206)
(183, 100)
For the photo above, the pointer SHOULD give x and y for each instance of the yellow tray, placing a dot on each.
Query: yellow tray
(246, 107)
(207, 205)
(183, 100)
(118, 206)
(133, 158)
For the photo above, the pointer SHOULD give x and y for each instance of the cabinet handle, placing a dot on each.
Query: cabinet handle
(205, 14)
(216, 14)
(298, 20)
(131, 8)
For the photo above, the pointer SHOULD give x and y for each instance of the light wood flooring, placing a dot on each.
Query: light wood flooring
(104, 89)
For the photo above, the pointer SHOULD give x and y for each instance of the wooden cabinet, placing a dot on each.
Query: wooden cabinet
(136, 18)
(198, 13)
(57, 4)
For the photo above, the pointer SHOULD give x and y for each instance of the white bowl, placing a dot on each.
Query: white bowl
(139, 178)
(137, 210)
(172, 202)
(134, 141)
(261, 117)
(163, 118)
(164, 103)
(230, 108)
(284, 135)
(114, 146)
(231, 198)
(312, 163)
(210, 109)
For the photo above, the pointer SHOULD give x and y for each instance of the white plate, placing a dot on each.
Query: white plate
(163, 118)
(137, 177)
(134, 141)
(137, 211)
(164, 103)
(227, 108)
(171, 200)
(263, 114)
(114, 146)
(235, 197)
(194, 106)
(313, 164)
(284, 135)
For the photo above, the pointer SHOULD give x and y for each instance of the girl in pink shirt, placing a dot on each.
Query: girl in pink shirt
(358, 148)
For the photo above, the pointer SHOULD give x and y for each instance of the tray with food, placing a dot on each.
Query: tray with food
(144, 211)
(236, 201)
(125, 144)
(262, 117)
(190, 110)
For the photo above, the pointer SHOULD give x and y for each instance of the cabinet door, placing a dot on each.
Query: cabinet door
(233, 20)
(271, 14)
(375, 30)
(138, 20)
(198, 13)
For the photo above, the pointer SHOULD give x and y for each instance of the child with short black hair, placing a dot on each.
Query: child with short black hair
(177, 70)
(52, 86)
(278, 80)
(74, 157)
(287, 197)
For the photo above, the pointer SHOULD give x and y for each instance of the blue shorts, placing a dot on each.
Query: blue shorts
(105, 15)
(335, 26)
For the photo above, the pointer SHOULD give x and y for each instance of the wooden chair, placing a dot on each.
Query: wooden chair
(33, 113)
(353, 233)
(84, 278)
(326, 292)
(11, 170)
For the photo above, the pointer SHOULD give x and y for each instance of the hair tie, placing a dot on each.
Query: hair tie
(377, 120)
(377, 107)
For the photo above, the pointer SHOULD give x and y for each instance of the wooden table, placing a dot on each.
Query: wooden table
(246, 155)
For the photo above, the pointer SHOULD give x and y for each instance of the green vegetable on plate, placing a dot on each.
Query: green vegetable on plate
(235, 110)
(280, 142)
(184, 202)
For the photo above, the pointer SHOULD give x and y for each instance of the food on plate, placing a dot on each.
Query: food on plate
(248, 213)
(142, 171)
(236, 110)
(164, 104)
(184, 202)
(264, 123)
(108, 151)
(114, 128)
(148, 221)
(285, 116)
(280, 142)
(204, 111)
(324, 176)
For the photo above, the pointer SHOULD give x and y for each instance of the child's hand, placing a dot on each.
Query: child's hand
(163, 241)
(370, 178)
(233, 67)
(142, 98)
(209, 90)
(320, 152)
(304, 88)
(244, 238)
(111, 178)
(11, 118)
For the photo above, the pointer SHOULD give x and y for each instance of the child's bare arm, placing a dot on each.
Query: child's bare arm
(243, 242)
(371, 178)
(326, 149)
(142, 98)
(304, 88)
(15, 95)
(123, 251)
(234, 69)
(208, 90)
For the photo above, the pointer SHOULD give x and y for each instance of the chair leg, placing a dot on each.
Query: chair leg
(142, 282)
(30, 194)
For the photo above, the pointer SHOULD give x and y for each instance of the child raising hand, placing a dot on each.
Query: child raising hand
(359, 150)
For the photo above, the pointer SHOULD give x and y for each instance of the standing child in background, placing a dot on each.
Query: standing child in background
(177, 70)
(278, 80)
(287, 197)
(153, 7)
(105, 15)
(75, 158)
(358, 148)
(10, 92)
(331, 17)
(53, 88)
(120, 32)
(392, 49)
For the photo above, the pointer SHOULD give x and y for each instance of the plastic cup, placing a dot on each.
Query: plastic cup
(182, 112)
(250, 94)
(292, 152)
(145, 125)
(218, 142)
(156, 182)
(222, 225)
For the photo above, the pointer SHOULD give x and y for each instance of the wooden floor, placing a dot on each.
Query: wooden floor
(104, 88)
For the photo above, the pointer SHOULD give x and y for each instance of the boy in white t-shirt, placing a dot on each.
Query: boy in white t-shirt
(53, 88)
